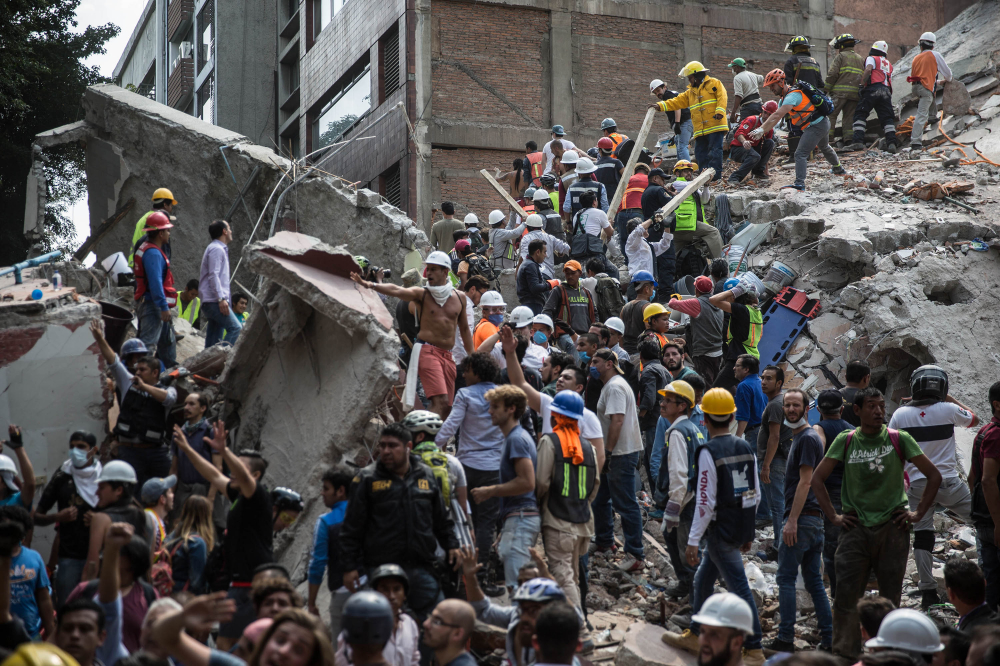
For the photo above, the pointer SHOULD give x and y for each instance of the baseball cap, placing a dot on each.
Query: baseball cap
(558, 130)
(829, 400)
(608, 355)
(738, 62)
(154, 488)
(462, 244)
(703, 284)
(573, 265)
(657, 172)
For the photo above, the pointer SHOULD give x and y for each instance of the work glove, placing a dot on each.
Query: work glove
(16, 442)
(553, 283)
(756, 135)
(677, 128)
(739, 289)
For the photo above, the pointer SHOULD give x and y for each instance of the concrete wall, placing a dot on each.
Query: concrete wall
(899, 22)
(245, 61)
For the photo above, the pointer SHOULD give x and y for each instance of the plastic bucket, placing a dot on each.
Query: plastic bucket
(116, 323)
(754, 282)
(780, 274)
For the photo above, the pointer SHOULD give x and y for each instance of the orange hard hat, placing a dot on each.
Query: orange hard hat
(157, 221)
(774, 76)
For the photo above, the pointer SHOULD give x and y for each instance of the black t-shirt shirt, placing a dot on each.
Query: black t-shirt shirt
(807, 449)
(654, 197)
(685, 113)
(249, 536)
(774, 412)
(849, 392)
(739, 326)
(13, 634)
(405, 320)
(74, 537)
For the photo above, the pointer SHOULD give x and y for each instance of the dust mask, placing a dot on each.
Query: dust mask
(79, 458)
(801, 423)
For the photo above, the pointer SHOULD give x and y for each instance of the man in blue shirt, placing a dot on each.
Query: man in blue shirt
(10, 492)
(750, 398)
(154, 290)
(336, 483)
(29, 583)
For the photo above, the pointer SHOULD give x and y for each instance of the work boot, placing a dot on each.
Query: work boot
(891, 148)
(856, 146)
(733, 181)
(753, 657)
(915, 151)
(686, 641)
(839, 170)
(679, 590)
(929, 598)
(778, 645)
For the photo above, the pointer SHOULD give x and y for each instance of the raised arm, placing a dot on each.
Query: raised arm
(514, 372)
(390, 289)
(97, 330)
(213, 475)
(198, 616)
(723, 301)
(27, 471)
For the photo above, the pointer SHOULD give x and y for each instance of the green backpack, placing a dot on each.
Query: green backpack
(434, 458)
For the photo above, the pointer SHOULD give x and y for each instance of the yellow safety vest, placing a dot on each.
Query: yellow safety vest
(191, 311)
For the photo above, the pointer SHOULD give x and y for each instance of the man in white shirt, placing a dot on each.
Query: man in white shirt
(619, 417)
(931, 419)
(640, 252)
(558, 134)
(746, 91)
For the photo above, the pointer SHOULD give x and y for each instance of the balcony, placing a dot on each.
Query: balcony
(179, 14)
(180, 85)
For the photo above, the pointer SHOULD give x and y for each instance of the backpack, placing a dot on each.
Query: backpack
(894, 438)
(480, 265)
(819, 99)
(690, 261)
(434, 458)
(610, 301)
(161, 574)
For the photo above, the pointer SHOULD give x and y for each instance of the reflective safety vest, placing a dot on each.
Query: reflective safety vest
(736, 488)
(617, 138)
(191, 311)
(637, 184)
(801, 112)
(140, 231)
(537, 163)
(689, 212)
(571, 484)
(577, 189)
(142, 282)
(692, 439)
(756, 330)
(882, 72)
(142, 417)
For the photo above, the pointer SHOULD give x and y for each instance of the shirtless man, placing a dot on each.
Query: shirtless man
(439, 307)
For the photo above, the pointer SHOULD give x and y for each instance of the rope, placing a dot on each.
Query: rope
(961, 148)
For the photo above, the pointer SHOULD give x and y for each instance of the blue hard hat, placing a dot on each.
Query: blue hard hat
(730, 283)
(568, 403)
(134, 346)
(644, 276)
(540, 590)
(593, 152)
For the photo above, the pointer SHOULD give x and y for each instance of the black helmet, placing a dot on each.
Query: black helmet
(548, 180)
(390, 571)
(286, 499)
(367, 619)
(929, 382)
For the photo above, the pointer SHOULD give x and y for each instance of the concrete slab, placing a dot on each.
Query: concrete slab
(642, 646)
(982, 85)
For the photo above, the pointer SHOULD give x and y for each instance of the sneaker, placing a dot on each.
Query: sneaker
(606, 550)
(753, 657)
(656, 514)
(734, 181)
(929, 598)
(630, 564)
(839, 170)
(686, 641)
(678, 590)
(778, 645)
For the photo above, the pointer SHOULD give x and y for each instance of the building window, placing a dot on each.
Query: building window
(206, 33)
(391, 185)
(323, 13)
(343, 111)
(206, 100)
(389, 63)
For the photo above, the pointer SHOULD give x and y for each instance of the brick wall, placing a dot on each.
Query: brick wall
(765, 49)
(500, 46)
(456, 178)
(612, 70)
(896, 22)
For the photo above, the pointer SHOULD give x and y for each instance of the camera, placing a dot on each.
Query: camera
(373, 270)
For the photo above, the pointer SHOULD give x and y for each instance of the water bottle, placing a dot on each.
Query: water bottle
(56, 281)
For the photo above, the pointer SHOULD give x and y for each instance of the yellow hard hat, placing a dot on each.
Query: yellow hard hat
(681, 388)
(718, 402)
(39, 654)
(164, 193)
(691, 68)
(652, 310)
(684, 164)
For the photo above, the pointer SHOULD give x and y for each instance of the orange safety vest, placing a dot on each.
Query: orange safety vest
(801, 112)
(617, 138)
(632, 198)
(537, 162)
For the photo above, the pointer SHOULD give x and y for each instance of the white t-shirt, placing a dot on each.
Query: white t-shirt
(534, 356)
(549, 155)
(933, 426)
(617, 398)
(594, 221)
(746, 83)
(590, 426)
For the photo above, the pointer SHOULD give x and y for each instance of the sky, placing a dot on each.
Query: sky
(124, 14)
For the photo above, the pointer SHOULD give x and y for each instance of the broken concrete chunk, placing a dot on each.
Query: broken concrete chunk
(851, 297)
(957, 99)
(368, 199)
(642, 646)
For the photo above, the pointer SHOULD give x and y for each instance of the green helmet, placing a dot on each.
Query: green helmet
(362, 262)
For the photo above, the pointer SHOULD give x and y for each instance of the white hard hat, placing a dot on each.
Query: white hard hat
(119, 471)
(471, 220)
(928, 37)
(570, 157)
(492, 299)
(521, 316)
(438, 258)
(654, 84)
(585, 165)
(881, 46)
(544, 319)
(540, 195)
(496, 217)
(535, 221)
(907, 629)
(615, 324)
(725, 610)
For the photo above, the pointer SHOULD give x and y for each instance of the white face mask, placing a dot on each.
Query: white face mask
(801, 423)
(79, 458)
(440, 294)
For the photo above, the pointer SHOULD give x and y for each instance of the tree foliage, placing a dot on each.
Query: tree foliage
(42, 78)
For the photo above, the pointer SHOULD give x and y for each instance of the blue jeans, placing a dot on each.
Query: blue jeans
(775, 494)
(68, 575)
(683, 140)
(720, 558)
(806, 553)
(517, 536)
(219, 323)
(157, 334)
(621, 222)
(708, 152)
(618, 490)
(989, 560)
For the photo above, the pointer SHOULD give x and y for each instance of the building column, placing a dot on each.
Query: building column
(421, 133)
(561, 41)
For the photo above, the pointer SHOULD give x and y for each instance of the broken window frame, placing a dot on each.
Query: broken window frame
(345, 90)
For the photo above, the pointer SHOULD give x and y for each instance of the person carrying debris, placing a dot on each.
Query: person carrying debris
(923, 76)
(752, 155)
(843, 81)
(876, 93)
(724, 515)
(984, 478)
(744, 330)
(653, 198)
(680, 121)
(806, 108)
(438, 317)
(641, 252)
(155, 293)
(875, 520)
(688, 221)
(746, 90)
(930, 419)
(706, 98)
(586, 182)
(163, 201)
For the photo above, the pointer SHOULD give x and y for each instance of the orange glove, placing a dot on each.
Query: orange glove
(553, 283)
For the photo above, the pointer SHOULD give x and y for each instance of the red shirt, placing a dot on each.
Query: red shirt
(633, 191)
(990, 447)
(748, 125)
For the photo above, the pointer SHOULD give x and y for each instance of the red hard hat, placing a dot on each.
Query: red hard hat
(605, 143)
(157, 221)
(770, 106)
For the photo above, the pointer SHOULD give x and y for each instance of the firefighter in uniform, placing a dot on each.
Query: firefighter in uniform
(843, 81)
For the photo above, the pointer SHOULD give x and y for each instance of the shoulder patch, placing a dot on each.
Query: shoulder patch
(422, 484)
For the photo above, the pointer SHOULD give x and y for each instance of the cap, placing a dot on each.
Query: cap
(657, 172)
(573, 265)
(703, 284)
(829, 400)
(157, 221)
(154, 488)
(609, 356)
(544, 320)
(558, 130)
(438, 258)
(594, 153)
(654, 84)
(643, 276)
(737, 62)
(770, 106)
(462, 244)
(496, 217)
(608, 123)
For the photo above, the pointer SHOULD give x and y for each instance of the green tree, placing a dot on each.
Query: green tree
(42, 78)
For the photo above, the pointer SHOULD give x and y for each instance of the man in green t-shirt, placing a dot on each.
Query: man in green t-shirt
(876, 519)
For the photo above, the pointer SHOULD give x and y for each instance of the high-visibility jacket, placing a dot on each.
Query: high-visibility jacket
(689, 212)
(926, 66)
(707, 100)
(191, 311)
(845, 74)
(881, 72)
(536, 164)
(637, 184)
(753, 337)
(617, 138)
(142, 282)
(139, 232)
(801, 112)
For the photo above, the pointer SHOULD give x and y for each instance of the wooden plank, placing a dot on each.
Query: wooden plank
(640, 141)
(675, 203)
(106, 226)
(509, 199)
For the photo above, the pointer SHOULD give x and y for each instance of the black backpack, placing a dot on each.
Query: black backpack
(609, 298)
(819, 99)
(480, 265)
(690, 261)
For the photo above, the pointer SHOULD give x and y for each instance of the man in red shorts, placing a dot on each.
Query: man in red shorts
(439, 310)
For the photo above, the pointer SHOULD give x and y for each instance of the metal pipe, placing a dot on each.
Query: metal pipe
(29, 263)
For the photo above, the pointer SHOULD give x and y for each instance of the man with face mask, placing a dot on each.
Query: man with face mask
(73, 488)
(493, 310)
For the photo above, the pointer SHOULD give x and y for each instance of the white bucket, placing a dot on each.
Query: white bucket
(115, 264)
(780, 274)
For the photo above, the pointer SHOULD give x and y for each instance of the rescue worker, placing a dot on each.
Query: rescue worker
(609, 167)
(163, 200)
(586, 182)
(503, 254)
(746, 325)
(657, 320)
(689, 218)
(876, 93)
(155, 294)
(553, 220)
(746, 91)
(567, 176)
(842, 83)
(535, 224)
(534, 164)
(727, 500)
(923, 76)
(631, 206)
(550, 186)
(726, 622)
(801, 66)
(680, 121)
(653, 198)
(188, 303)
(752, 155)
(707, 99)
(802, 114)
(610, 129)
